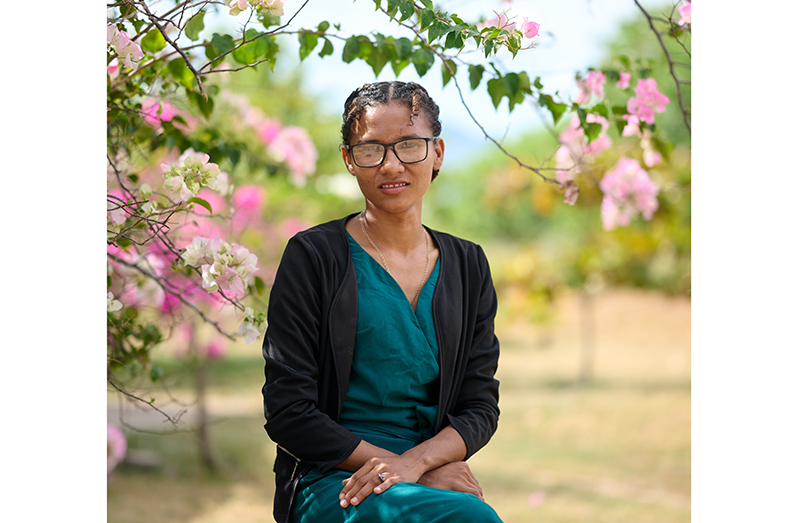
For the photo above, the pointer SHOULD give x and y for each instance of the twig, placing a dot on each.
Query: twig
(670, 66)
(167, 416)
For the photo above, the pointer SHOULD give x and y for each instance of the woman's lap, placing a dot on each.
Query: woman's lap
(402, 503)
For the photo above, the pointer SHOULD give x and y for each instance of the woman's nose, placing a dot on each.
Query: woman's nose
(391, 161)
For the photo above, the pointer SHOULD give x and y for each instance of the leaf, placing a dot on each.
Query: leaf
(250, 52)
(351, 49)
(475, 75)
(398, 65)
(537, 83)
(556, 109)
(404, 48)
(155, 373)
(202, 202)
(378, 57)
(512, 84)
(592, 130)
(181, 72)
(259, 285)
(307, 43)
(407, 9)
(153, 41)
(619, 109)
(422, 60)
(133, 177)
(323, 26)
(220, 44)
(327, 49)
(195, 25)
(600, 109)
(445, 71)
(496, 91)
(204, 105)
(427, 18)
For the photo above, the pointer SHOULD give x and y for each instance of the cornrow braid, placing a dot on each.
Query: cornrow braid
(383, 93)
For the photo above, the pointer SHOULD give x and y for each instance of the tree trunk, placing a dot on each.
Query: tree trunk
(587, 335)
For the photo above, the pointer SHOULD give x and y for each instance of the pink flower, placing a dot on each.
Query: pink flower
(268, 130)
(571, 191)
(647, 101)
(294, 146)
(623, 83)
(248, 201)
(530, 28)
(651, 157)
(627, 191)
(686, 11)
(113, 69)
(536, 499)
(216, 350)
(632, 127)
(592, 85)
(151, 108)
(117, 447)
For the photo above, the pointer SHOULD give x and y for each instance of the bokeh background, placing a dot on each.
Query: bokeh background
(595, 325)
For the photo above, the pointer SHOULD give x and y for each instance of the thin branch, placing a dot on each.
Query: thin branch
(238, 69)
(176, 48)
(167, 416)
(670, 66)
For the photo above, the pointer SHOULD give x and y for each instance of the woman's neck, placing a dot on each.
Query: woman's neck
(401, 232)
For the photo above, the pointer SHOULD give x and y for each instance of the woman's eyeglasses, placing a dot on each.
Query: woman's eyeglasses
(411, 150)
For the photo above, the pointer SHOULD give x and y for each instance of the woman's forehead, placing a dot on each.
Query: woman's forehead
(394, 120)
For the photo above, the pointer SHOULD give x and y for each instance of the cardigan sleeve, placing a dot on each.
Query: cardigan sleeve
(292, 349)
(476, 410)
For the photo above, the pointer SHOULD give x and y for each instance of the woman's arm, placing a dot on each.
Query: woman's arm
(369, 461)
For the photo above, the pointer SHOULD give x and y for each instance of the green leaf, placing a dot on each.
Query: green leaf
(204, 105)
(427, 17)
(488, 47)
(422, 60)
(222, 43)
(497, 91)
(404, 48)
(454, 39)
(202, 202)
(445, 71)
(537, 83)
(592, 131)
(195, 25)
(155, 373)
(475, 75)
(407, 9)
(108, 281)
(250, 52)
(327, 49)
(378, 57)
(153, 41)
(512, 84)
(600, 109)
(259, 285)
(133, 177)
(351, 49)
(181, 72)
(307, 43)
(398, 65)
(556, 109)
(322, 27)
(619, 109)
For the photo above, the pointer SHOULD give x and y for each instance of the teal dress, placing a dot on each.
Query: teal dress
(390, 403)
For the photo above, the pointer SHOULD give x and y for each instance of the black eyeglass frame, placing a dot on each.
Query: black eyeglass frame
(385, 151)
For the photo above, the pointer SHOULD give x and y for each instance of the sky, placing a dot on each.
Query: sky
(571, 36)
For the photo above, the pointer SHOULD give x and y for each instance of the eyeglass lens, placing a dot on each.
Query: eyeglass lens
(372, 154)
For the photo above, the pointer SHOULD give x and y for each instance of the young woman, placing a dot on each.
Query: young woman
(380, 351)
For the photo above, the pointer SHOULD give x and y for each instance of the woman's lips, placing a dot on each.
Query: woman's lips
(393, 188)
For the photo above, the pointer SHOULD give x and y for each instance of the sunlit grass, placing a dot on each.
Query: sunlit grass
(614, 450)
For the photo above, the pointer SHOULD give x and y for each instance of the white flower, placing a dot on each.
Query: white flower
(196, 250)
(145, 190)
(113, 305)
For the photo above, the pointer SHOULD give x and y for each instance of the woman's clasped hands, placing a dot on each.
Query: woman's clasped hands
(378, 475)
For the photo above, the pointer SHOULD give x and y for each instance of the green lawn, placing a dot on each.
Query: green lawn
(615, 450)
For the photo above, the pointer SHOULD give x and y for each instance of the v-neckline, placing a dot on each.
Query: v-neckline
(395, 283)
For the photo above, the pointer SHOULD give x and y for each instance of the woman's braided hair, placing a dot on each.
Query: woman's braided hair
(383, 93)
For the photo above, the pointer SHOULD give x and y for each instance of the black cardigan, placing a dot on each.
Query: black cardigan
(309, 342)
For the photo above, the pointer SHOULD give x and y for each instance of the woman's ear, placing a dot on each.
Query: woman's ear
(347, 160)
(438, 150)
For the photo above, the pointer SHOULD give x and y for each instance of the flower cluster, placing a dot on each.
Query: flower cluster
(294, 146)
(113, 305)
(192, 171)
(528, 28)
(627, 191)
(157, 111)
(592, 85)
(623, 83)
(128, 52)
(647, 101)
(686, 12)
(252, 326)
(274, 7)
(224, 267)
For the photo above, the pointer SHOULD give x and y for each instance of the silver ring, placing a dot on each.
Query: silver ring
(381, 475)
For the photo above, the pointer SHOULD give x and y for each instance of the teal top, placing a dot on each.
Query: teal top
(393, 386)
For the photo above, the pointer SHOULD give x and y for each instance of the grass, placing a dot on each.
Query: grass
(614, 450)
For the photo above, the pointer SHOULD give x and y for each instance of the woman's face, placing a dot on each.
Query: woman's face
(394, 186)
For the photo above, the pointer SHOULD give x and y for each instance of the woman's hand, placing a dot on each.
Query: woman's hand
(455, 476)
(395, 469)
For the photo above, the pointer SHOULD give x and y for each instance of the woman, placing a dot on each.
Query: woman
(380, 352)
